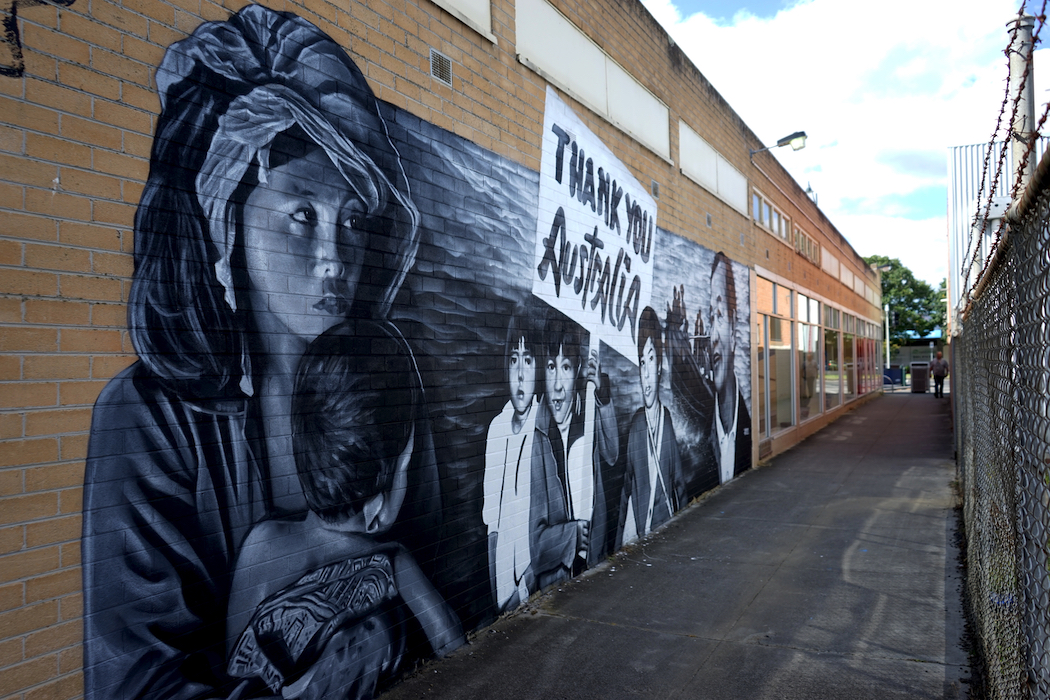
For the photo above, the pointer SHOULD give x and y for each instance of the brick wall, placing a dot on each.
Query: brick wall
(75, 146)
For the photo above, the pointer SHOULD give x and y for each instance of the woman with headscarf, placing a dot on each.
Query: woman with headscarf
(276, 207)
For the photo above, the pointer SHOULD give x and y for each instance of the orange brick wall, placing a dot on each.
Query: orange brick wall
(75, 137)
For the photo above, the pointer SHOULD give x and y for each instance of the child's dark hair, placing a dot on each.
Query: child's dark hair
(562, 334)
(353, 410)
(523, 326)
(649, 328)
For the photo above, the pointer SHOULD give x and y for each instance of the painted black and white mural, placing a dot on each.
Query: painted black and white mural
(389, 384)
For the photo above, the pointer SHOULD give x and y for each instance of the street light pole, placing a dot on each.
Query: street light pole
(886, 316)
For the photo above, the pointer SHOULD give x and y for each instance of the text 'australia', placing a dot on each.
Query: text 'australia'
(601, 282)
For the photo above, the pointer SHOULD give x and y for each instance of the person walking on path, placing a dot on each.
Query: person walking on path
(939, 370)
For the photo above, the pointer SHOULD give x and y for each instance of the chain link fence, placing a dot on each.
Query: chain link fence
(1002, 405)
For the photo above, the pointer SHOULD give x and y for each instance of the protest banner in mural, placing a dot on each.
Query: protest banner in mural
(594, 232)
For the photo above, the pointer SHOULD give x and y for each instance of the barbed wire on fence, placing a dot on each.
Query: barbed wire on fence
(973, 251)
(1034, 134)
(975, 264)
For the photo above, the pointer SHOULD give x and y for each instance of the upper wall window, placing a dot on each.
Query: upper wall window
(766, 215)
(806, 246)
(551, 45)
(476, 14)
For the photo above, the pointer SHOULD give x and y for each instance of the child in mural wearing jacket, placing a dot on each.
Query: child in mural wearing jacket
(320, 605)
(508, 468)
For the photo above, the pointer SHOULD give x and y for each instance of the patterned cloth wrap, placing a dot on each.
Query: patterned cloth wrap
(290, 630)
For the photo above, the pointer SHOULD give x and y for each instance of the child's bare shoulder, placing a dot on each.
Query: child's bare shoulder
(275, 536)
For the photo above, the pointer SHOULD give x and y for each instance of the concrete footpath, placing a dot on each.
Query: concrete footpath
(830, 573)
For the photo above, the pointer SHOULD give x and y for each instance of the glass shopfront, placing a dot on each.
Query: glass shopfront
(812, 357)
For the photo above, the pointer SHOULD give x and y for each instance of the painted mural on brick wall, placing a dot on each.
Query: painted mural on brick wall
(389, 384)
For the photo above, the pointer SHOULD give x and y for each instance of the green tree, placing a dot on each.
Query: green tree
(915, 306)
(941, 304)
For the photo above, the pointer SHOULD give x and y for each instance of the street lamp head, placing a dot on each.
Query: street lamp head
(797, 141)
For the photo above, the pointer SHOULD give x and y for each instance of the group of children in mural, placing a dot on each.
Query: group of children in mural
(262, 494)
(545, 506)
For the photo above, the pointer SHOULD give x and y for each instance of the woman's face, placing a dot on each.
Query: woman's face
(560, 385)
(303, 241)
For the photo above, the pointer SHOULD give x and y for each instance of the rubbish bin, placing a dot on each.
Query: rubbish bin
(920, 377)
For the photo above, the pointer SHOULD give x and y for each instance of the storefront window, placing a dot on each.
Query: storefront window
(832, 370)
(784, 302)
(765, 296)
(809, 384)
(849, 367)
(781, 414)
(760, 333)
(864, 363)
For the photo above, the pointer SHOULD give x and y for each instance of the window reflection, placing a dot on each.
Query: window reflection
(809, 379)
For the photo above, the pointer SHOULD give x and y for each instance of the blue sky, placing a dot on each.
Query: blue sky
(724, 12)
(882, 89)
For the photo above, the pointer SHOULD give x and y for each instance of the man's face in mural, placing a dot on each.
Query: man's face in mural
(649, 371)
(301, 235)
(522, 377)
(723, 340)
(560, 384)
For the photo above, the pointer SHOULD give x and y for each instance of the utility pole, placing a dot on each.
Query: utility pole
(1022, 88)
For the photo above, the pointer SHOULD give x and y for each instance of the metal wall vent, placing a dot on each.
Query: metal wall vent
(655, 188)
(441, 67)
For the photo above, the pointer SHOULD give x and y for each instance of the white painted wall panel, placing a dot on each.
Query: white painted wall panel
(550, 43)
(708, 168)
(699, 159)
(637, 111)
(732, 186)
(830, 263)
(477, 14)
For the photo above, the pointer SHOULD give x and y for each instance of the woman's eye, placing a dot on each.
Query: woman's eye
(528, 362)
(305, 215)
(353, 222)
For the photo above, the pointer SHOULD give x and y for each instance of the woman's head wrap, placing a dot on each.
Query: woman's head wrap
(278, 71)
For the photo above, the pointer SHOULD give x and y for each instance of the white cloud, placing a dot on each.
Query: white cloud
(922, 244)
(882, 89)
